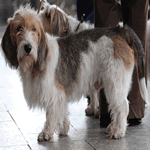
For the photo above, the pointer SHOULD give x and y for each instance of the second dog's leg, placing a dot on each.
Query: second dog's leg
(93, 108)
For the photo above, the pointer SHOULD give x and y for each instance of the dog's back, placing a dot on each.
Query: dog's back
(98, 46)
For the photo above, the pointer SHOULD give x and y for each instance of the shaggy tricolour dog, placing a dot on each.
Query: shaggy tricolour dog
(55, 71)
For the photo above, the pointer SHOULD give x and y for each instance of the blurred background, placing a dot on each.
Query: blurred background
(7, 7)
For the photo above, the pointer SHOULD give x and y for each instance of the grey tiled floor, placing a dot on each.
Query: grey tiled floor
(19, 126)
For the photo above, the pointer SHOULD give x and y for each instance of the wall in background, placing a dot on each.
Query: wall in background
(7, 7)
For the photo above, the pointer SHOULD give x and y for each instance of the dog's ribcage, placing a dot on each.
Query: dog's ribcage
(84, 60)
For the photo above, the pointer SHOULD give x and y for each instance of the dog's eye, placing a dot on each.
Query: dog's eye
(33, 29)
(64, 33)
(48, 15)
(20, 28)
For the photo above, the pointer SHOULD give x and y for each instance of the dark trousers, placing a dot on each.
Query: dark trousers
(134, 14)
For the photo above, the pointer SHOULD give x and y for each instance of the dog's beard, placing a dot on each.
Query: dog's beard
(26, 61)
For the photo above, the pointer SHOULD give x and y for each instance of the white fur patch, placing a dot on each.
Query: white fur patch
(143, 91)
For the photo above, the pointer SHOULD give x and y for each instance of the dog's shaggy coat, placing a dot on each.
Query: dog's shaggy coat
(55, 71)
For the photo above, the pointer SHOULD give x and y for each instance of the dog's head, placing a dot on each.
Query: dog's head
(55, 20)
(24, 42)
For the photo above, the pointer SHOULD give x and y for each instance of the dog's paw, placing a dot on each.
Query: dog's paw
(43, 137)
(115, 132)
(96, 112)
(89, 111)
(64, 129)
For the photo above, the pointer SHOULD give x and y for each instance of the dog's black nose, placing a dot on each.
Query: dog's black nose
(27, 48)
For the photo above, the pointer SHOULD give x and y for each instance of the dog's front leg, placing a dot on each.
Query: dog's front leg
(56, 120)
(49, 127)
(64, 128)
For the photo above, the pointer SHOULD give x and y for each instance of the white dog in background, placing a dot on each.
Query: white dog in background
(55, 71)
(57, 22)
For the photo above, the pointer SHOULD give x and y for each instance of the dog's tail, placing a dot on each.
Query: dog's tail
(134, 42)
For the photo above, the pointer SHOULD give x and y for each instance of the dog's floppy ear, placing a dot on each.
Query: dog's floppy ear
(43, 52)
(9, 48)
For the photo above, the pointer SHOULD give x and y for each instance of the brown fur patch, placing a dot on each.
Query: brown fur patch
(60, 86)
(43, 55)
(123, 51)
(26, 22)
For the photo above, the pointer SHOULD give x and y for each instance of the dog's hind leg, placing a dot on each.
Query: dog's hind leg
(116, 87)
(118, 125)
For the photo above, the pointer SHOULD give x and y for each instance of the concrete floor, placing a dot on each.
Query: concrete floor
(19, 127)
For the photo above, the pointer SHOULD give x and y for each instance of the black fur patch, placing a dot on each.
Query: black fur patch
(70, 50)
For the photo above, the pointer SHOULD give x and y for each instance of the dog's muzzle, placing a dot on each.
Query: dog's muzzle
(27, 48)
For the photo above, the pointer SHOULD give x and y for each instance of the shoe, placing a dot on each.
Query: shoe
(105, 120)
(134, 122)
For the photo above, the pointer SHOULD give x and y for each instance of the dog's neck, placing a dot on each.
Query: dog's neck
(74, 23)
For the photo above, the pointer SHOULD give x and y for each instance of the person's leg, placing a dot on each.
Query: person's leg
(106, 14)
(135, 14)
